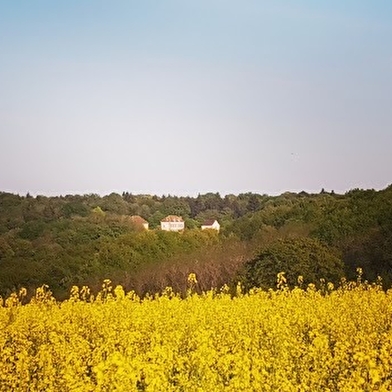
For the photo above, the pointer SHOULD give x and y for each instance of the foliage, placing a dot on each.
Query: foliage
(79, 239)
(295, 257)
(215, 264)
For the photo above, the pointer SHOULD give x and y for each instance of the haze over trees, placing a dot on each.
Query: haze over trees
(82, 239)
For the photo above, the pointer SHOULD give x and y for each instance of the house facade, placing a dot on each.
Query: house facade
(210, 224)
(139, 222)
(172, 223)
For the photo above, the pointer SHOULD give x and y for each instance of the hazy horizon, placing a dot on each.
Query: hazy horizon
(184, 98)
(189, 195)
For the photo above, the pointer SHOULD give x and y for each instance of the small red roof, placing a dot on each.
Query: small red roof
(137, 219)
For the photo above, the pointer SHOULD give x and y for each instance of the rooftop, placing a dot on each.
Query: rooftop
(172, 218)
(209, 222)
(137, 219)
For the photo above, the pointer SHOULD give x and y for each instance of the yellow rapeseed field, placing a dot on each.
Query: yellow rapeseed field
(279, 340)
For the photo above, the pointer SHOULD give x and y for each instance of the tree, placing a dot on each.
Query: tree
(304, 257)
(253, 203)
(114, 203)
(75, 208)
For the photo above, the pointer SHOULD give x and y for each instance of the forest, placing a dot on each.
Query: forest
(81, 240)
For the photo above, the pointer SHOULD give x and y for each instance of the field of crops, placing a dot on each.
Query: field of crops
(282, 340)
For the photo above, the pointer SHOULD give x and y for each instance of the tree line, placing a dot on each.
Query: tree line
(81, 239)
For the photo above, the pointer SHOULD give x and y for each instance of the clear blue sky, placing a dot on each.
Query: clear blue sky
(181, 97)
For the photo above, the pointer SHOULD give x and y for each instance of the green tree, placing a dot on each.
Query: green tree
(75, 208)
(304, 257)
(114, 203)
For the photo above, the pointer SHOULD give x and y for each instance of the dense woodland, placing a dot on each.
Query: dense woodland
(81, 240)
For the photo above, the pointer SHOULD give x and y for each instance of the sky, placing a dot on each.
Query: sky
(185, 97)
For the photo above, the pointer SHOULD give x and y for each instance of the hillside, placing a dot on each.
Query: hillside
(82, 239)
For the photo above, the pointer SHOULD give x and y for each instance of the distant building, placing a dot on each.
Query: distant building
(173, 223)
(139, 222)
(210, 224)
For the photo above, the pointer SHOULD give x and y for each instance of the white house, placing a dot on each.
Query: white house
(211, 224)
(139, 222)
(173, 223)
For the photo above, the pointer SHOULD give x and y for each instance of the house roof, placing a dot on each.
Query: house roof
(172, 218)
(209, 222)
(137, 219)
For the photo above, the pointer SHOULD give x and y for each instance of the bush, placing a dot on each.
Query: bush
(304, 257)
